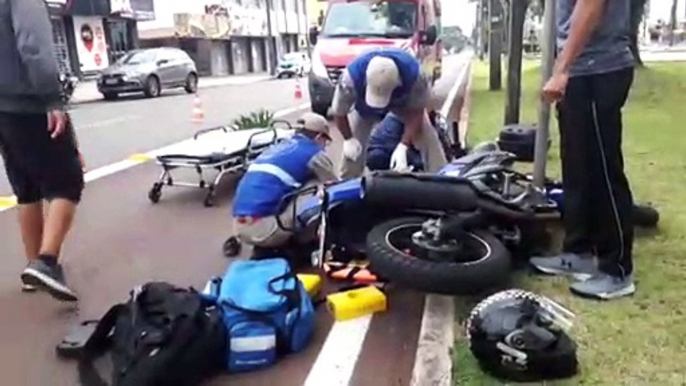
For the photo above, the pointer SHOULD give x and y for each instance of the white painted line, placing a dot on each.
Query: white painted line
(6, 203)
(433, 364)
(108, 122)
(456, 87)
(336, 361)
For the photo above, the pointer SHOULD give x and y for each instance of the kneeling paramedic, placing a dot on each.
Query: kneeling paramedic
(279, 171)
(377, 82)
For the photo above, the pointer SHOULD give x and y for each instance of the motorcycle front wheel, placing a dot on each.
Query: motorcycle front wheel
(480, 263)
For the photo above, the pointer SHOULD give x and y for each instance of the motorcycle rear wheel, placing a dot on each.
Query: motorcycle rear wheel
(389, 246)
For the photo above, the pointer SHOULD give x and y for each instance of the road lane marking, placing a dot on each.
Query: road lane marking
(140, 158)
(10, 202)
(433, 364)
(336, 360)
(7, 202)
(447, 105)
(108, 122)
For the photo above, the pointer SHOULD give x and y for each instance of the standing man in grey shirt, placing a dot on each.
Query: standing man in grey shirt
(374, 83)
(590, 85)
(40, 154)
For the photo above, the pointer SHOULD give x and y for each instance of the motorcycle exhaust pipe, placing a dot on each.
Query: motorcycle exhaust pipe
(503, 211)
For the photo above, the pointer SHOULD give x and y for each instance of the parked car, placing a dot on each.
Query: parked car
(149, 71)
(293, 64)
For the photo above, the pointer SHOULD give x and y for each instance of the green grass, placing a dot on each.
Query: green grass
(633, 341)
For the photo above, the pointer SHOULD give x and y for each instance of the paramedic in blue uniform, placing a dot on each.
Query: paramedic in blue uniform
(375, 83)
(383, 141)
(280, 170)
(590, 84)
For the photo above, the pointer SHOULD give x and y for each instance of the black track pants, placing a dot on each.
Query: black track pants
(597, 198)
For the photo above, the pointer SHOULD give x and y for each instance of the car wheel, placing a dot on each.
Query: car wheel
(191, 83)
(152, 87)
(110, 96)
(320, 108)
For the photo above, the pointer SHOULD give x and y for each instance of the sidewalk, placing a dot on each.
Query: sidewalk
(88, 91)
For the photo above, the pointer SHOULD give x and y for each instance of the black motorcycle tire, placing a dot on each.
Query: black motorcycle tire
(645, 216)
(447, 278)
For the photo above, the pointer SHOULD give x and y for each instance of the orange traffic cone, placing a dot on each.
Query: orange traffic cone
(198, 114)
(298, 90)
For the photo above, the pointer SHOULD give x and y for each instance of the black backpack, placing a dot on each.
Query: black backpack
(163, 336)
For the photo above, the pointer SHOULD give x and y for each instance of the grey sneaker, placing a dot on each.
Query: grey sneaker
(48, 278)
(605, 287)
(580, 267)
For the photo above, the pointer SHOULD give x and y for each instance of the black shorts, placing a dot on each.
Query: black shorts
(39, 167)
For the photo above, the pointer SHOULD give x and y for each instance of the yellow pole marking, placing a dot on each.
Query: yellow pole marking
(140, 158)
(8, 202)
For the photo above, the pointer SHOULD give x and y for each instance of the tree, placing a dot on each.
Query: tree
(672, 22)
(637, 9)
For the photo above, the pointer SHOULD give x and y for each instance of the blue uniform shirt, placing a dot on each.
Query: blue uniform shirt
(277, 172)
(408, 68)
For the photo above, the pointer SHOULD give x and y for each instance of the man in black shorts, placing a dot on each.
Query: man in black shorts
(39, 152)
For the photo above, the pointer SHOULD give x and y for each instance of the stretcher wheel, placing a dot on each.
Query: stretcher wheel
(232, 247)
(209, 199)
(155, 193)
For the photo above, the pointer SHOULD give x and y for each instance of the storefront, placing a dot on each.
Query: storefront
(88, 35)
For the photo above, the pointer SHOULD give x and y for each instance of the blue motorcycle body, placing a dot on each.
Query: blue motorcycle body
(350, 192)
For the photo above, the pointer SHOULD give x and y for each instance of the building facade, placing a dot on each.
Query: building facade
(226, 37)
(90, 34)
(316, 10)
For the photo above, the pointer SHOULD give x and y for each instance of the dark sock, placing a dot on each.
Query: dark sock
(49, 260)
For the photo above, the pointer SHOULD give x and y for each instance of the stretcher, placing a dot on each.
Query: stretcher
(222, 149)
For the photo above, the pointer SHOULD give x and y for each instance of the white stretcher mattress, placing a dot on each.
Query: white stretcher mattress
(217, 144)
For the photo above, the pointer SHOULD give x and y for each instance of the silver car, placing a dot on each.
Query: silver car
(149, 71)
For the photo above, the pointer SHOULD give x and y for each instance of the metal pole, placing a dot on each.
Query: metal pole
(279, 47)
(307, 28)
(548, 60)
(270, 40)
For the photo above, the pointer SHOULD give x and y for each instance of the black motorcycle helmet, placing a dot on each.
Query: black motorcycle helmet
(519, 336)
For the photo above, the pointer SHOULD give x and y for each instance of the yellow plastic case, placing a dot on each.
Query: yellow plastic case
(312, 283)
(356, 303)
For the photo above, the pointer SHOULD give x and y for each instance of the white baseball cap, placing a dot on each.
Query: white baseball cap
(382, 78)
(314, 123)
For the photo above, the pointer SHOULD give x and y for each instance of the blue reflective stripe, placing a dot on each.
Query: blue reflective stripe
(276, 172)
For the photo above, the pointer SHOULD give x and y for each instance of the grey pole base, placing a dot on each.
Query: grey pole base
(543, 131)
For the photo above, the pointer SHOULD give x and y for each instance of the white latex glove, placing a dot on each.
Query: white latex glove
(399, 159)
(352, 148)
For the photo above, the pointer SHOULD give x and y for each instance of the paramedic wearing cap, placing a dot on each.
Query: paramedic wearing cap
(375, 83)
(280, 170)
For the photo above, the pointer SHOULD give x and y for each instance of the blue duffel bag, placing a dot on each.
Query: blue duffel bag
(266, 310)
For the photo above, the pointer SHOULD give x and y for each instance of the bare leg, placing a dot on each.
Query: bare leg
(57, 225)
(430, 146)
(31, 225)
(361, 129)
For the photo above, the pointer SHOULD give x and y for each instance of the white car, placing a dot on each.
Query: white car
(293, 64)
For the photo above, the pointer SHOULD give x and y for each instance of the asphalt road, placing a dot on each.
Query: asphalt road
(121, 240)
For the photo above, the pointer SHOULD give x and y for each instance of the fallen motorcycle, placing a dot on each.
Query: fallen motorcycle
(452, 232)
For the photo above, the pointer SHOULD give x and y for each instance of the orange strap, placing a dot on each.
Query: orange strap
(350, 272)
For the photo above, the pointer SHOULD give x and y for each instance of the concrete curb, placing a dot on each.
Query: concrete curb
(433, 365)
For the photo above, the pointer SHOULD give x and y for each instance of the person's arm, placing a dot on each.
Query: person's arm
(585, 18)
(414, 113)
(33, 34)
(322, 166)
(343, 100)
